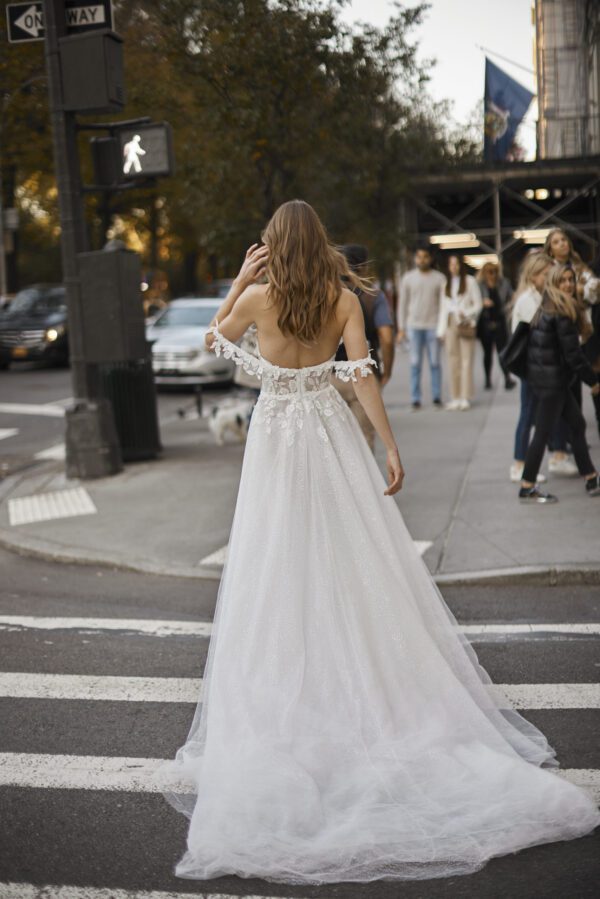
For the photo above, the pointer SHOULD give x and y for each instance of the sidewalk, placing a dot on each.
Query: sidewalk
(173, 515)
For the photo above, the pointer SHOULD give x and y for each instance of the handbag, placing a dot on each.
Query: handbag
(513, 357)
(467, 329)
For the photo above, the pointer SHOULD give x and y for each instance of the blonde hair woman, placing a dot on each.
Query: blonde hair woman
(559, 246)
(346, 731)
(554, 359)
(528, 297)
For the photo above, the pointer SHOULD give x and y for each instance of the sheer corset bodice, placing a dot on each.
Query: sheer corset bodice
(277, 380)
(288, 395)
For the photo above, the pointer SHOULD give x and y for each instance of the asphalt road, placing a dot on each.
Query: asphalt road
(129, 839)
(26, 386)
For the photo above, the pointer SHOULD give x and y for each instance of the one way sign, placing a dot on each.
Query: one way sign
(25, 21)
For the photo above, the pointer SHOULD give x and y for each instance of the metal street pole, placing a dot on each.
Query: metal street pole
(91, 441)
(3, 288)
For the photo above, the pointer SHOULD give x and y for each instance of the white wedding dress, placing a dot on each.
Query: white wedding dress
(347, 731)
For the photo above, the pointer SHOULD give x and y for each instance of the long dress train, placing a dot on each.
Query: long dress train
(347, 731)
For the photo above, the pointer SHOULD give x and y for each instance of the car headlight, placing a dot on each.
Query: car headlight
(53, 334)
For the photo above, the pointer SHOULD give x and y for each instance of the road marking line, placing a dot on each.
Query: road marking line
(583, 627)
(219, 556)
(52, 891)
(67, 401)
(138, 775)
(157, 627)
(56, 451)
(422, 546)
(154, 627)
(32, 409)
(8, 432)
(48, 506)
(99, 687)
(25, 685)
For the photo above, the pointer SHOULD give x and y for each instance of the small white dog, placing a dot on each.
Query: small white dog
(231, 417)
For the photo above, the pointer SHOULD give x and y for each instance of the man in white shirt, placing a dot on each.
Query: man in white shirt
(421, 292)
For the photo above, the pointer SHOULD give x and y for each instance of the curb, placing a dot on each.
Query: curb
(36, 548)
(544, 575)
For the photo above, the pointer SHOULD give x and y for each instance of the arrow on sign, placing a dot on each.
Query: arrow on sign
(32, 21)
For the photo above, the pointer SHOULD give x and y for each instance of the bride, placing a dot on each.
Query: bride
(347, 731)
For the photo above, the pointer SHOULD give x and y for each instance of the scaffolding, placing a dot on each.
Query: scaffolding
(567, 39)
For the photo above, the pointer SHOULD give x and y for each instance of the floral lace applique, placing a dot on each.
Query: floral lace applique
(288, 395)
(345, 370)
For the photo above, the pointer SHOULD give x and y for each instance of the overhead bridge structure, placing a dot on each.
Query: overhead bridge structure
(499, 210)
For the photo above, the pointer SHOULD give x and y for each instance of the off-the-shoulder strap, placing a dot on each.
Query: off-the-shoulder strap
(345, 369)
(252, 364)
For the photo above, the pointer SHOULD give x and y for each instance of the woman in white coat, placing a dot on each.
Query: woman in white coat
(457, 327)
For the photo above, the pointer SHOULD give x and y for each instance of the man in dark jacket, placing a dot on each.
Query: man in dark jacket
(379, 331)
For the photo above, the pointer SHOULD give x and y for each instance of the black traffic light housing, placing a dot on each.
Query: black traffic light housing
(92, 71)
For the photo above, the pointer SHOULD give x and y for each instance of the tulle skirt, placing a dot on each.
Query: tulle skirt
(346, 730)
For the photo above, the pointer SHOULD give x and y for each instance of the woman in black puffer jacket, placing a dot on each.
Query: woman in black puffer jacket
(554, 359)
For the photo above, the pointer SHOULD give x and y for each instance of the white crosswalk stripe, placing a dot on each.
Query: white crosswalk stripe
(33, 891)
(136, 775)
(32, 409)
(158, 627)
(25, 685)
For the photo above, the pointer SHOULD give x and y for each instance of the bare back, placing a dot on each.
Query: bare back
(286, 351)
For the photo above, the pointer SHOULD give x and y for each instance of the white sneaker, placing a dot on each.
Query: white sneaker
(565, 467)
(464, 405)
(516, 473)
(453, 406)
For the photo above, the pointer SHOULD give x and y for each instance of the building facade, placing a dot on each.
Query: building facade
(567, 54)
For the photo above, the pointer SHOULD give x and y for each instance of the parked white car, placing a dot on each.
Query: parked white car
(179, 355)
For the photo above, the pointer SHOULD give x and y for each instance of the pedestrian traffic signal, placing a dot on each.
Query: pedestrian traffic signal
(146, 151)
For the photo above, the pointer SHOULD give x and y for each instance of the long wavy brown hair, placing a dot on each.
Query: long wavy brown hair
(305, 271)
(562, 303)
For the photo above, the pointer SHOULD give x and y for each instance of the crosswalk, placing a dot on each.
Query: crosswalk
(40, 690)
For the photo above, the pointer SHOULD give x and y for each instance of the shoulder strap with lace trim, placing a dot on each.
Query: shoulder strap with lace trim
(346, 370)
(222, 346)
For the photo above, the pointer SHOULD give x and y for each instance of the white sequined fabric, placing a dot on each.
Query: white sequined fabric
(346, 730)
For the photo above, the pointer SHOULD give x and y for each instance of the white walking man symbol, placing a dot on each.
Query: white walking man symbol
(132, 152)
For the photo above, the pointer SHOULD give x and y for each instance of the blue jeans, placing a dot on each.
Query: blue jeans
(419, 340)
(526, 420)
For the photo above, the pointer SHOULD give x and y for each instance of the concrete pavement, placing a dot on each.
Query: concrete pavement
(173, 515)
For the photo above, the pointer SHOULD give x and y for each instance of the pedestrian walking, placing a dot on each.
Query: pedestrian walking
(421, 292)
(492, 330)
(457, 327)
(379, 331)
(554, 357)
(528, 297)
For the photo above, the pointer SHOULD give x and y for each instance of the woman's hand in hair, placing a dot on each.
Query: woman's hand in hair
(254, 266)
(596, 389)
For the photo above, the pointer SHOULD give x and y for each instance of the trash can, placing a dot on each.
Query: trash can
(130, 388)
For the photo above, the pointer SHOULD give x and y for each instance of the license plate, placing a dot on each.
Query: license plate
(167, 371)
(19, 351)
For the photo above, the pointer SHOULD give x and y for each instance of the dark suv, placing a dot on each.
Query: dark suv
(34, 326)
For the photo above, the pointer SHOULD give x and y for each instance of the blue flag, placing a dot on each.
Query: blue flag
(505, 104)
